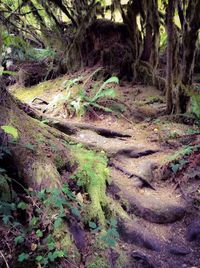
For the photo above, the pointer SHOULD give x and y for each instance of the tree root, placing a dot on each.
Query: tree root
(180, 118)
(71, 128)
(140, 181)
(147, 74)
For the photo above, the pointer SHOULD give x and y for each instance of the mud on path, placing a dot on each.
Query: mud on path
(164, 229)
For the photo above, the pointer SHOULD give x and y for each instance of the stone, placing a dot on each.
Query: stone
(158, 206)
(142, 260)
(180, 251)
(134, 233)
(193, 231)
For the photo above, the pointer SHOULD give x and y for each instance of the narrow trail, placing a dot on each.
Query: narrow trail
(157, 234)
(164, 227)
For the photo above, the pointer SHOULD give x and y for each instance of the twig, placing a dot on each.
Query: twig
(7, 266)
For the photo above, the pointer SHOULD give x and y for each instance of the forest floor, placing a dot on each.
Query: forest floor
(154, 166)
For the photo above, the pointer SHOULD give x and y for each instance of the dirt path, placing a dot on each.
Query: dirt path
(160, 216)
(163, 229)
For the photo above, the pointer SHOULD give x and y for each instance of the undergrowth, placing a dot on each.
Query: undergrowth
(178, 158)
(37, 221)
(77, 100)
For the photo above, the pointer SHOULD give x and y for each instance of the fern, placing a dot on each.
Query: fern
(82, 102)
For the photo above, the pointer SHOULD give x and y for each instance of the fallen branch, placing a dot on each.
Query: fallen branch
(6, 263)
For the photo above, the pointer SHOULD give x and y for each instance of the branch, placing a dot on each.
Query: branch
(59, 4)
(6, 263)
(21, 14)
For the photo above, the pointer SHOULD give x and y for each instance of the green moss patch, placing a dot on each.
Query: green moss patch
(92, 174)
(27, 94)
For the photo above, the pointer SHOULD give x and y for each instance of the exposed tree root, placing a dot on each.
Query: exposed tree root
(41, 151)
(139, 182)
(147, 74)
(133, 153)
(71, 128)
(180, 118)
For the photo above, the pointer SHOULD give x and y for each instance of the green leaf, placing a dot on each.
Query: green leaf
(39, 258)
(39, 233)
(112, 79)
(100, 107)
(113, 233)
(34, 222)
(110, 242)
(75, 212)
(30, 146)
(51, 257)
(22, 205)
(113, 222)
(175, 167)
(6, 219)
(58, 254)
(46, 121)
(92, 225)
(22, 257)
(105, 93)
(8, 73)
(58, 222)
(66, 190)
(19, 239)
(2, 170)
(51, 245)
(11, 131)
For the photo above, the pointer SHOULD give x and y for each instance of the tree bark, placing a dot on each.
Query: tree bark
(170, 41)
(37, 164)
(190, 37)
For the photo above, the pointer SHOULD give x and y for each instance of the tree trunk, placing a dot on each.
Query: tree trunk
(170, 41)
(190, 36)
(40, 152)
(37, 164)
(156, 35)
(189, 48)
(148, 35)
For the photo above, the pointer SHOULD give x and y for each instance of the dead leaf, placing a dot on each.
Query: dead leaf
(33, 246)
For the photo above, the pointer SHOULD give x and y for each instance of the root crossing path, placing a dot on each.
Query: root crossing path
(159, 233)
(163, 229)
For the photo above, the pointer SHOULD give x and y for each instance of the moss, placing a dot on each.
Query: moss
(97, 262)
(92, 174)
(59, 161)
(27, 94)
(44, 174)
(40, 138)
(122, 260)
(64, 242)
